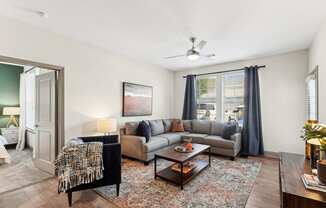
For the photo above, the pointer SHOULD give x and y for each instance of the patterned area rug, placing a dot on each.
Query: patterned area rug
(225, 184)
(20, 172)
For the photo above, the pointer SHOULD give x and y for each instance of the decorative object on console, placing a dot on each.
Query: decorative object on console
(321, 171)
(313, 183)
(315, 134)
(107, 126)
(137, 99)
(314, 152)
(12, 112)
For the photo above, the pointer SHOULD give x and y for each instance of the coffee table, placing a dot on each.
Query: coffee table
(179, 178)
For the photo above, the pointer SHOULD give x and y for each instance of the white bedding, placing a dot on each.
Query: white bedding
(3, 141)
(4, 155)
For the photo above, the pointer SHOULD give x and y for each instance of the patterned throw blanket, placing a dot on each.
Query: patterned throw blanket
(79, 164)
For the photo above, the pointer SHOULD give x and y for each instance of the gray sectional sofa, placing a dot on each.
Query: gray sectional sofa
(201, 132)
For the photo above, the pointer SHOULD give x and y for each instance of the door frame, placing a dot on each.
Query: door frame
(60, 113)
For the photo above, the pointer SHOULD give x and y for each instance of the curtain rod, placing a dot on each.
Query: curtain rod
(232, 70)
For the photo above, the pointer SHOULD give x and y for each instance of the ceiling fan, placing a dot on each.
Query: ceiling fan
(33, 11)
(194, 53)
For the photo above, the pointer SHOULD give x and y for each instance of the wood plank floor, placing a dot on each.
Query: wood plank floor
(265, 193)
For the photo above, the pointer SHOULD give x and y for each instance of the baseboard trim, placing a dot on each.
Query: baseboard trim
(273, 155)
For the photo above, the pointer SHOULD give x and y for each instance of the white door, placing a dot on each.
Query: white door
(45, 138)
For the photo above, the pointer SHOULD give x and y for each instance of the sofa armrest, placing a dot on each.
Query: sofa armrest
(133, 139)
(112, 161)
(237, 140)
(132, 146)
(236, 137)
(122, 131)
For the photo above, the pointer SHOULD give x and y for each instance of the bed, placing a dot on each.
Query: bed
(4, 155)
(3, 141)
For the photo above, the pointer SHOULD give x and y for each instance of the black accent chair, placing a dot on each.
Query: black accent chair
(111, 162)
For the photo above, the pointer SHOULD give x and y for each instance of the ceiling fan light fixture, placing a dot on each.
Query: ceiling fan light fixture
(193, 55)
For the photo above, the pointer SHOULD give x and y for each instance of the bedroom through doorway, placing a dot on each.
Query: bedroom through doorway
(28, 123)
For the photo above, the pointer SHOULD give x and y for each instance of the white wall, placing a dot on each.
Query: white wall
(317, 56)
(93, 76)
(282, 97)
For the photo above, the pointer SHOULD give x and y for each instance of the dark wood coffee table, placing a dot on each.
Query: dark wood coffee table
(179, 178)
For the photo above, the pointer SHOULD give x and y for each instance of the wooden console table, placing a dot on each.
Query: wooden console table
(293, 193)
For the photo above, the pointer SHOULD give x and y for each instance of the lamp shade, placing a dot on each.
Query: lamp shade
(11, 111)
(314, 142)
(107, 125)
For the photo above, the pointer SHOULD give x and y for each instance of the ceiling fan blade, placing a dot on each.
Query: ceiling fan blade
(177, 56)
(33, 11)
(200, 45)
(212, 56)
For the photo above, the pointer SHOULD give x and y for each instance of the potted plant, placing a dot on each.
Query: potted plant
(315, 133)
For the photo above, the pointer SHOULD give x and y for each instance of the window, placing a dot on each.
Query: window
(206, 97)
(233, 96)
(312, 95)
(221, 96)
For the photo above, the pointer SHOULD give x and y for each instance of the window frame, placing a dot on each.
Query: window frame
(219, 98)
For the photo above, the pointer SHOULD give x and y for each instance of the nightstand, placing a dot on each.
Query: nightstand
(10, 134)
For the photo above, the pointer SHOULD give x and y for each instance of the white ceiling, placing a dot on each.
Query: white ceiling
(148, 30)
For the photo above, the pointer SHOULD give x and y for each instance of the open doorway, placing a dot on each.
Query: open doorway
(31, 122)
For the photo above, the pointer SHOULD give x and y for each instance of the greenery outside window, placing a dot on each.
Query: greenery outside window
(220, 96)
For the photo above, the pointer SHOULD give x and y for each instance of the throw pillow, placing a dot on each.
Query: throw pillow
(167, 125)
(144, 130)
(228, 130)
(177, 126)
(187, 125)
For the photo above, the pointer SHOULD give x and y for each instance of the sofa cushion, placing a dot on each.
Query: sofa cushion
(187, 125)
(216, 128)
(229, 129)
(177, 126)
(131, 128)
(196, 138)
(201, 127)
(167, 124)
(155, 143)
(172, 137)
(217, 141)
(144, 130)
(157, 127)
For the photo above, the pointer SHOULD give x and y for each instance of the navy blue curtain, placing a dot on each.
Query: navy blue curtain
(252, 142)
(190, 103)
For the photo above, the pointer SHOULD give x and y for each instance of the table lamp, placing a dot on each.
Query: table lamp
(12, 112)
(107, 126)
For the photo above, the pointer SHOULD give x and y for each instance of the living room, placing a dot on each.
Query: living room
(102, 45)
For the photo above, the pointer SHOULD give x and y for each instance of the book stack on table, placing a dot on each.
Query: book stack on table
(187, 167)
(311, 182)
